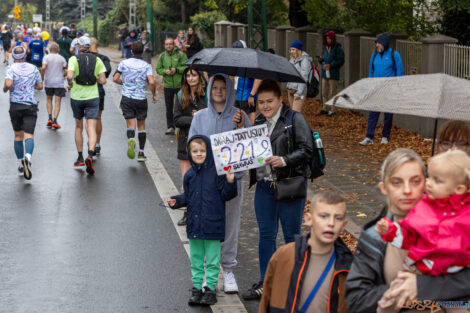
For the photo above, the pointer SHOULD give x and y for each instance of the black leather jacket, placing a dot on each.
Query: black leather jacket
(297, 158)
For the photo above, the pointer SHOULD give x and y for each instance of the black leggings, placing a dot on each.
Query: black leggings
(170, 94)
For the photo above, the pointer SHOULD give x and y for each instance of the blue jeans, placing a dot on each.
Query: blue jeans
(123, 51)
(372, 124)
(268, 213)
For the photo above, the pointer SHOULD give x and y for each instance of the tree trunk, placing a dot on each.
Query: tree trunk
(297, 15)
(183, 12)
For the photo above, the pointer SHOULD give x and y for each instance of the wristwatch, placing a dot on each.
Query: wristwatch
(252, 96)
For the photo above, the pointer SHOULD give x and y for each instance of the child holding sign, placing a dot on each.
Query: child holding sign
(204, 195)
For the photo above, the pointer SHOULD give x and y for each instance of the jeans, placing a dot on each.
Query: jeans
(170, 94)
(268, 213)
(372, 123)
(123, 51)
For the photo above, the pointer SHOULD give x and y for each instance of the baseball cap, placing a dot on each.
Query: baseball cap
(80, 32)
(84, 41)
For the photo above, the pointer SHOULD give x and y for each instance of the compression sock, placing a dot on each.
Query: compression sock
(80, 155)
(29, 146)
(19, 149)
(130, 133)
(142, 138)
(50, 116)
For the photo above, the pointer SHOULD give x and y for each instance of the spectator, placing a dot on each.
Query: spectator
(382, 64)
(170, 66)
(193, 44)
(123, 33)
(454, 135)
(129, 41)
(297, 92)
(331, 60)
(288, 161)
(180, 41)
(147, 55)
(284, 289)
(64, 43)
(376, 264)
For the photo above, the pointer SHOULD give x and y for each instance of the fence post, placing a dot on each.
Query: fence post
(220, 29)
(281, 48)
(242, 32)
(302, 33)
(433, 53)
(394, 36)
(232, 33)
(291, 35)
(352, 52)
(272, 38)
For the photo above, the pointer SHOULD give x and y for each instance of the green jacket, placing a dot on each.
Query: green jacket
(335, 58)
(166, 61)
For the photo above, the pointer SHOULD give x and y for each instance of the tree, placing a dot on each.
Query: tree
(454, 19)
(297, 14)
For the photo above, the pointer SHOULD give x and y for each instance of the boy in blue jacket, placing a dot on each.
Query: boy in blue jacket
(204, 195)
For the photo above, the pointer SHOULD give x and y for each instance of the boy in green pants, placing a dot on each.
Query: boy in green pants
(204, 195)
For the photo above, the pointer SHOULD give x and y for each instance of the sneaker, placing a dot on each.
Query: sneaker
(170, 131)
(209, 297)
(322, 112)
(384, 141)
(182, 221)
(331, 113)
(55, 125)
(255, 292)
(21, 169)
(97, 150)
(366, 142)
(27, 168)
(49, 123)
(79, 162)
(230, 284)
(130, 148)
(89, 166)
(196, 297)
(141, 157)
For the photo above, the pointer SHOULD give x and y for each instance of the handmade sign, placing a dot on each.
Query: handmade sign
(241, 149)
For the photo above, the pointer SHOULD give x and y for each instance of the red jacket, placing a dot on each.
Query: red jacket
(437, 234)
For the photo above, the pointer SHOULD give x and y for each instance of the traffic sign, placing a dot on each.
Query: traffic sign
(17, 12)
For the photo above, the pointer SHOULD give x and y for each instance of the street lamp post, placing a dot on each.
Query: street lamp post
(150, 22)
(95, 19)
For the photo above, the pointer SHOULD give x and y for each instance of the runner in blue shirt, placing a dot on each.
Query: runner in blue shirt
(36, 47)
(21, 79)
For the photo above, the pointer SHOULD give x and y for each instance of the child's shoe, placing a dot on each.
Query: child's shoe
(209, 297)
(196, 296)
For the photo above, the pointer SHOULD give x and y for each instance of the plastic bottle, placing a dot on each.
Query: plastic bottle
(318, 144)
(327, 72)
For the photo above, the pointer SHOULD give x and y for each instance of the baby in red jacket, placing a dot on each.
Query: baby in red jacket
(435, 232)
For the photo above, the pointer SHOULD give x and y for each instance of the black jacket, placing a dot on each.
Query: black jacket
(107, 65)
(194, 47)
(366, 284)
(298, 157)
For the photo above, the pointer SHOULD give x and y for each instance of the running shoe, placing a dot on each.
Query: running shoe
(141, 157)
(97, 150)
(79, 162)
(131, 148)
(21, 169)
(27, 168)
(89, 166)
(49, 123)
(55, 125)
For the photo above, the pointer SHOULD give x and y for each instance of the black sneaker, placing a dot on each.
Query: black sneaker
(89, 166)
(196, 296)
(331, 113)
(97, 150)
(322, 112)
(209, 297)
(182, 221)
(255, 292)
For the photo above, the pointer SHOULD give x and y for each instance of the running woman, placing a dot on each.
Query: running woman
(21, 79)
(133, 75)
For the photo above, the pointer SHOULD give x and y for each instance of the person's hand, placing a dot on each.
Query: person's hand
(291, 91)
(326, 67)
(193, 112)
(296, 98)
(187, 46)
(168, 72)
(319, 58)
(155, 98)
(171, 202)
(70, 86)
(274, 161)
(173, 71)
(408, 290)
(230, 177)
(251, 101)
(239, 119)
(382, 227)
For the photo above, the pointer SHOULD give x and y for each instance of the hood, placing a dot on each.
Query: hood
(239, 44)
(332, 35)
(229, 101)
(384, 40)
(209, 157)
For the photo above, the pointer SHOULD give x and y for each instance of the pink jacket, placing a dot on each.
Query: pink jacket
(436, 233)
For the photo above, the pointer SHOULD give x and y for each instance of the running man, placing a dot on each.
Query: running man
(86, 70)
(36, 49)
(133, 75)
(53, 72)
(21, 79)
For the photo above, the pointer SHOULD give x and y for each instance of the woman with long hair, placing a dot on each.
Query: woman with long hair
(193, 44)
(190, 99)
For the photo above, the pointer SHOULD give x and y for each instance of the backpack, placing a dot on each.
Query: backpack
(393, 61)
(317, 159)
(86, 69)
(162, 55)
(313, 84)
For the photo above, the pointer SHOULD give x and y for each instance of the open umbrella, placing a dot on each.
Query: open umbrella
(247, 63)
(429, 95)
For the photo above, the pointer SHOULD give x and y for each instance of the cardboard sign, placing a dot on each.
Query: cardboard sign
(242, 149)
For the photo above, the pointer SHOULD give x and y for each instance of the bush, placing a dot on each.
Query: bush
(104, 31)
(204, 22)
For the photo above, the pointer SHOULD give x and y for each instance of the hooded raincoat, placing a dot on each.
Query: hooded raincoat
(333, 55)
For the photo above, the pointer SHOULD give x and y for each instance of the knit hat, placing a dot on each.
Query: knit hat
(384, 40)
(297, 44)
(239, 44)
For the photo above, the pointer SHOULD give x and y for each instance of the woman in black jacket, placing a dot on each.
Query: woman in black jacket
(193, 44)
(292, 147)
(190, 99)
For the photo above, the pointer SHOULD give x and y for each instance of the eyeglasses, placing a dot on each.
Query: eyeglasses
(461, 145)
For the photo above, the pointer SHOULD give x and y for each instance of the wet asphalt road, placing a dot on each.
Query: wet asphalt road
(70, 242)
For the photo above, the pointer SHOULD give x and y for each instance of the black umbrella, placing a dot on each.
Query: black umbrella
(247, 63)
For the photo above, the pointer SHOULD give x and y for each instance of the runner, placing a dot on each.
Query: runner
(86, 70)
(21, 79)
(133, 74)
(53, 70)
(37, 49)
(107, 64)
(7, 36)
(73, 45)
(64, 43)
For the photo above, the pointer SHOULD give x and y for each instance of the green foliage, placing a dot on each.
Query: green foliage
(204, 22)
(104, 30)
(325, 13)
(454, 20)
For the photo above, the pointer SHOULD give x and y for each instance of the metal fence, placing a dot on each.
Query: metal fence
(457, 60)
(367, 47)
(411, 55)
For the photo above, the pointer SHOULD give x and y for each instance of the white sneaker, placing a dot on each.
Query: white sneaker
(366, 142)
(384, 141)
(230, 284)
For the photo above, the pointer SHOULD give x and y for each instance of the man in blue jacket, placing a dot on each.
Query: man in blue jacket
(382, 64)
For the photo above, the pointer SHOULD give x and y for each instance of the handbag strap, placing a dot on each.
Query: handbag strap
(318, 284)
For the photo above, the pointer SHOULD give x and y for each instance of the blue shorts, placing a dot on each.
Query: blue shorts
(88, 108)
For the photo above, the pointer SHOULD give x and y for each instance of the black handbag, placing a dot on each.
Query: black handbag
(289, 189)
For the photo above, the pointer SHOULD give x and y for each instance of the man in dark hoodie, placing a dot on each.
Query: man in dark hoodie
(331, 60)
(384, 62)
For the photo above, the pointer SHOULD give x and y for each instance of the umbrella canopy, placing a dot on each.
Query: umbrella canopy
(429, 95)
(245, 62)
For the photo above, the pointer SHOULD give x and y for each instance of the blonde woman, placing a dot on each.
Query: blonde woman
(297, 92)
